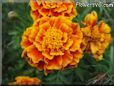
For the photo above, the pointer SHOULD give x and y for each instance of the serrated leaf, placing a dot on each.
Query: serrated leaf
(80, 73)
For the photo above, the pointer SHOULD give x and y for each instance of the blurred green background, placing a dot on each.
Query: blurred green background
(88, 72)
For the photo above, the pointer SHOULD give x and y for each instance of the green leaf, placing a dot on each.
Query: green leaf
(81, 73)
(13, 33)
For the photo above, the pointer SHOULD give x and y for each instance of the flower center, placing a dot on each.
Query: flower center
(53, 39)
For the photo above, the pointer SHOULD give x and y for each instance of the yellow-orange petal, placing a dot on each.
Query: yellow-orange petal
(69, 9)
(44, 12)
(56, 53)
(58, 22)
(45, 26)
(33, 34)
(108, 38)
(55, 63)
(76, 58)
(94, 48)
(98, 57)
(27, 31)
(76, 27)
(91, 19)
(76, 45)
(34, 54)
(65, 37)
(25, 42)
(86, 31)
(46, 55)
(34, 4)
(38, 46)
(68, 44)
(84, 44)
(65, 28)
(24, 53)
(35, 15)
(66, 58)
(40, 35)
(60, 9)
(103, 27)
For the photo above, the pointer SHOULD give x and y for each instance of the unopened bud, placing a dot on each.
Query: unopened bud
(12, 14)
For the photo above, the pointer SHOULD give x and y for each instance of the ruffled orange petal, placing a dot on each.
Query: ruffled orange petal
(46, 55)
(35, 15)
(25, 42)
(56, 53)
(34, 54)
(55, 63)
(69, 8)
(60, 9)
(65, 28)
(44, 12)
(94, 48)
(98, 57)
(76, 45)
(68, 44)
(103, 27)
(38, 46)
(76, 58)
(58, 22)
(27, 32)
(33, 34)
(40, 35)
(66, 58)
(86, 31)
(34, 4)
(65, 37)
(45, 26)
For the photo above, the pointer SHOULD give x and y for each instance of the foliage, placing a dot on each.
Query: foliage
(88, 71)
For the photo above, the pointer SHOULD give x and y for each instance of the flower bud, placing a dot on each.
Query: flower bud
(12, 14)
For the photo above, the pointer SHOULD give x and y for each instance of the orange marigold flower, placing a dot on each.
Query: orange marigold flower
(25, 80)
(53, 43)
(96, 37)
(42, 8)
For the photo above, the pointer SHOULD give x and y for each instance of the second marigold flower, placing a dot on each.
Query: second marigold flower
(42, 8)
(52, 43)
(96, 37)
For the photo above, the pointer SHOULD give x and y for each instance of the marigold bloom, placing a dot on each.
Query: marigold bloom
(96, 37)
(42, 8)
(25, 80)
(53, 43)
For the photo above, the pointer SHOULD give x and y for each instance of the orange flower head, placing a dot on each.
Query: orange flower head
(97, 39)
(42, 8)
(25, 80)
(90, 19)
(52, 43)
